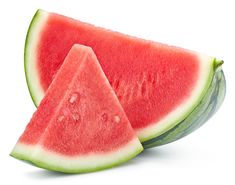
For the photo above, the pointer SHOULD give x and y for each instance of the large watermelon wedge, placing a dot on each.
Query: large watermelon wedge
(80, 125)
(159, 86)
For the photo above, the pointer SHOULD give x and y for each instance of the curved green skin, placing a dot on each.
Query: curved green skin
(193, 119)
(206, 108)
(44, 165)
(34, 21)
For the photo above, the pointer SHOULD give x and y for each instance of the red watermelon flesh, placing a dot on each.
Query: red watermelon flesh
(156, 84)
(80, 125)
(136, 73)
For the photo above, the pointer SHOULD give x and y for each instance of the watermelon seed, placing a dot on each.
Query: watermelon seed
(74, 97)
(76, 117)
(144, 88)
(104, 117)
(60, 118)
(117, 119)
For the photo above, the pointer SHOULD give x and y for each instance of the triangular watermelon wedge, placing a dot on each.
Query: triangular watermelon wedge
(160, 87)
(80, 125)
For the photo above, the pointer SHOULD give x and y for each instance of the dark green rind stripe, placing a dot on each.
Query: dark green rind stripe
(205, 109)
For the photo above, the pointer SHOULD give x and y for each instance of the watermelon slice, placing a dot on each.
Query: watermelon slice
(80, 125)
(158, 86)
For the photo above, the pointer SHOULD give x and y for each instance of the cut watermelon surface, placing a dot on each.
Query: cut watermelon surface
(158, 85)
(79, 125)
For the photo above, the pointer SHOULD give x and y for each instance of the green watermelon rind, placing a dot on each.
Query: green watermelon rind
(206, 108)
(31, 77)
(43, 160)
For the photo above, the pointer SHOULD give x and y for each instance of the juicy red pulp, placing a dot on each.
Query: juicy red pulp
(150, 79)
(79, 114)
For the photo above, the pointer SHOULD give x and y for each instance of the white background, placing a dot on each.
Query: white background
(205, 157)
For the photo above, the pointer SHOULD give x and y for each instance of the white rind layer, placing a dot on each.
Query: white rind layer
(30, 60)
(173, 118)
(75, 164)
